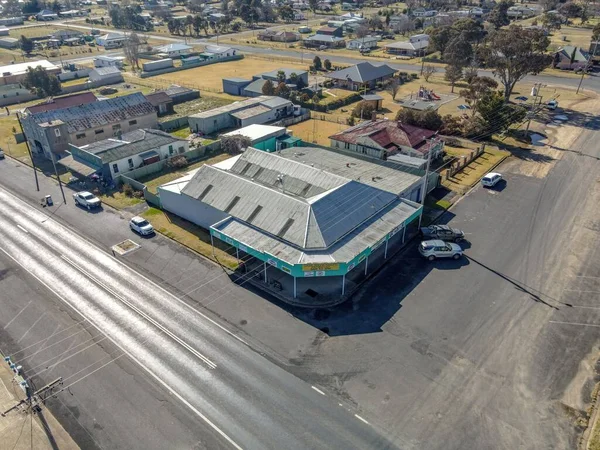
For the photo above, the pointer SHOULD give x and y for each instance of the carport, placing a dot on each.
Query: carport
(77, 167)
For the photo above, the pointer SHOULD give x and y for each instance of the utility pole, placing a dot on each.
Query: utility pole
(53, 157)
(37, 183)
(426, 180)
(587, 65)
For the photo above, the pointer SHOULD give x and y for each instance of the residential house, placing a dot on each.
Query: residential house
(367, 42)
(218, 52)
(383, 138)
(299, 15)
(323, 41)
(52, 103)
(7, 21)
(175, 50)
(101, 76)
(163, 104)
(331, 31)
(45, 15)
(15, 73)
(123, 153)
(111, 40)
(62, 35)
(14, 93)
(278, 36)
(109, 61)
(8, 42)
(263, 109)
(362, 76)
(571, 57)
(4, 31)
(415, 46)
(520, 12)
(594, 48)
(50, 132)
(293, 78)
(422, 12)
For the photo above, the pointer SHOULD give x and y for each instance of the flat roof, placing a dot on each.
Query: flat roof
(21, 68)
(250, 112)
(257, 131)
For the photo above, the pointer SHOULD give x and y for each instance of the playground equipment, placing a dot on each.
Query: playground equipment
(427, 94)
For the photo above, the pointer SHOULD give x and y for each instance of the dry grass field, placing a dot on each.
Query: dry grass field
(316, 131)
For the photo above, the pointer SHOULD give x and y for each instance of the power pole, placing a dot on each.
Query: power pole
(587, 65)
(426, 180)
(53, 157)
(37, 183)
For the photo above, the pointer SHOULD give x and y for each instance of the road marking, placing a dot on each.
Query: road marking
(318, 390)
(361, 419)
(147, 369)
(31, 327)
(581, 290)
(18, 314)
(575, 323)
(23, 229)
(118, 261)
(165, 330)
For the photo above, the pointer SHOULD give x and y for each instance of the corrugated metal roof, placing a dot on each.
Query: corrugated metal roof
(106, 70)
(96, 114)
(362, 72)
(250, 112)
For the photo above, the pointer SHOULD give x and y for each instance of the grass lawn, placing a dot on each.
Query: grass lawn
(33, 32)
(316, 131)
(182, 133)
(118, 200)
(204, 103)
(7, 140)
(154, 180)
(470, 174)
(190, 235)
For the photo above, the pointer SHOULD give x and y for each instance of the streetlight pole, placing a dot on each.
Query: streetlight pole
(426, 181)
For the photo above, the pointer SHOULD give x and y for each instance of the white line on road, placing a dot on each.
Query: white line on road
(23, 229)
(18, 314)
(318, 390)
(139, 363)
(361, 419)
(575, 323)
(31, 327)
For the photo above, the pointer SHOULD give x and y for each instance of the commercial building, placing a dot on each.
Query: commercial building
(50, 132)
(311, 221)
(362, 76)
(267, 137)
(259, 110)
(123, 153)
(82, 98)
(15, 73)
(383, 138)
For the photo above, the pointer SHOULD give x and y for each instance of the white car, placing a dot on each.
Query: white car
(86, 199)
(491, 179)
(439, 249)
(141, 226)
(552, 104)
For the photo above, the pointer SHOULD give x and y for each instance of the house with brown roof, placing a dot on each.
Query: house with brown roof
(383, 138)
(163, 104)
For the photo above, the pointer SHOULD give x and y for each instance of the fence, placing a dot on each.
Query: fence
(190, 66)
(460, 163)
(328, 118)
(81, 73)
(173, 124)
(292, 120)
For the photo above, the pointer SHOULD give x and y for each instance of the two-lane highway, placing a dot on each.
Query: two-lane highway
(249, 401)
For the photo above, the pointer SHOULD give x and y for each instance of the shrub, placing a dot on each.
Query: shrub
(127, 190)
(177, 162)
(138, 194)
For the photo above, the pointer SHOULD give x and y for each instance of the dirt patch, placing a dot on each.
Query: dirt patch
(316, 131)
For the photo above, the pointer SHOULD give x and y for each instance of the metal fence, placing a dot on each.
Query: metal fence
(190, 66)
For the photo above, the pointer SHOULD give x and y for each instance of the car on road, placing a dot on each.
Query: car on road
(552, 104)
(1, 154)
(442, 232)
(491, 179)
(141, 226)
(86, 199)
(439, 249)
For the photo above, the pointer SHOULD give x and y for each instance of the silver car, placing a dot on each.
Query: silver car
(440, 249)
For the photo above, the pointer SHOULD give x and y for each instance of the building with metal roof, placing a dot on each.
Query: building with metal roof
(361, 76)
(262, 109)
(14, 73)
(51, 132)
(123, 153)
(308, 212)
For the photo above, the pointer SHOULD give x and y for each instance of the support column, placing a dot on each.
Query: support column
(265, 264)
(366, 264)
(212, 244)
(343, 284)
(403, 233)
(385, 252)
(294, 287)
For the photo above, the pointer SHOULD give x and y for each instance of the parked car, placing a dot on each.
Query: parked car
(442, 232)
(552, 104)
(439, 249)
(491, 179)
(86, 199)
(1, 154)
(141, 226)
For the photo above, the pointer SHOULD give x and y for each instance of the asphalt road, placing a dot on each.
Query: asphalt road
(241, 398)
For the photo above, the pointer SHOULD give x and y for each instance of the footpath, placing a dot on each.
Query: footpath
(23, 429)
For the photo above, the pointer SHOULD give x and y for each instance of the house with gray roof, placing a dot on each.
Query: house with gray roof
(50, 132)
(571, 57)
(295, 79)
(361, 76)
(415, 46)
(101, 76)
(123, 153)
(302, 214)
(260, 110)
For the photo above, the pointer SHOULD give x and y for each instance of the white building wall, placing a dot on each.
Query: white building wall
(190, 209)
(166, 151)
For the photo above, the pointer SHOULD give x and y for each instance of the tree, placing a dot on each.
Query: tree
(362, 31)
(375, 22)
(363, 110)
(282, 90)
(198, 24)
(26, 45)
(235, 144)
(453, 74)
(55, 6)
(551, 21)
(596, 32)
(428, 70)
(512, 53)
(470, 29)
(313, 4)
(131, 49)
(459, 51)
(478, 89)
(471, 71)
(12, 8)
(428, 119)
(31, 7)
(281, 76)
(327, 64)
(300, 84)
(548, 5)
(393, 86)
(439, 38)
(268, 88)
(41, 83)
(286, 13)
(499, 15)
(294, 78)
(451, 125)
(571, 10)
(317, 63)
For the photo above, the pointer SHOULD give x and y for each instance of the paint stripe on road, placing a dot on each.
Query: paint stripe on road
(318, 390)
(361, 419)
(23, 229)
(18, 314)
(575, 323)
